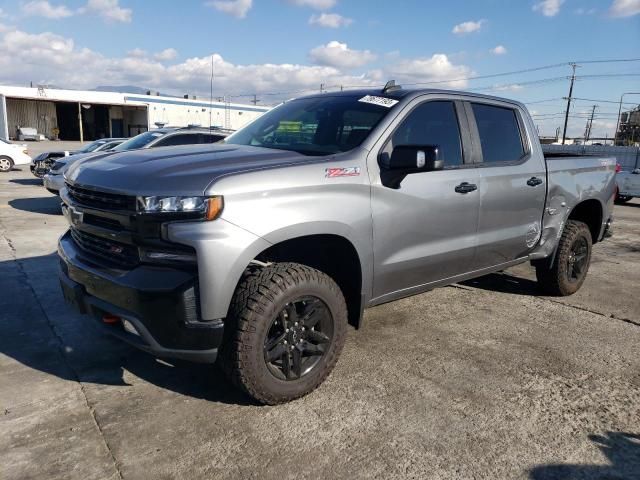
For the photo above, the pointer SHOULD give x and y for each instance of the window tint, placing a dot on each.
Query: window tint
(433, 123)
(313, 126)
(499, 133)
(209, 138)
(178, 139)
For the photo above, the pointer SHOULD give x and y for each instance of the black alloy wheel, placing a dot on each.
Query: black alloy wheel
(298, 338)
(577, 260)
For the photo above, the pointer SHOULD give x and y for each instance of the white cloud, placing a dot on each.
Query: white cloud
(625, 8)
(437, 68)
(110, 10)
(43, 8)
(317, 4)
(330, 20)
(166, 54)
(512, 87)
(137, 53)
(499, 50)
(468, 27)
(549, 8)
(237, 8)
(585, 11)
(336, 54)
(57, 60)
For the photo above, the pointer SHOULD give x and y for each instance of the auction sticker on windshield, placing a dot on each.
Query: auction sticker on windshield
(382, 101)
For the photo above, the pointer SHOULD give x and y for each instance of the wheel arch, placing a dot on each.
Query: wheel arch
(590, 212)
(332, 254)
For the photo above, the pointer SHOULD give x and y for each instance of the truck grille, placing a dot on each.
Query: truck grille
(115, 253)
(101, 200)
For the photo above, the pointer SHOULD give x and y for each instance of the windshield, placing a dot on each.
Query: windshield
(90, 147)
(138, 141)
(314, 126)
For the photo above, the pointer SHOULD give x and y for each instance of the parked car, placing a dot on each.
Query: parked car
(54, 180)
(12, 154)
(42, 163)
(628, 185)
(258, 251)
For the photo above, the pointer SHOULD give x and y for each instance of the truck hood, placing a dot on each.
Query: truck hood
(66, 162)
(187, 170)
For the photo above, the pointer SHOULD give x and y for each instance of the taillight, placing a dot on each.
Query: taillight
(618, 168)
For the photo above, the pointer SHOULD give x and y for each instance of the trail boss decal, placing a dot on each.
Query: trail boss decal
(335, 172)
(382, 101)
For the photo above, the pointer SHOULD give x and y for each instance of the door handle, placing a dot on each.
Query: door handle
(534, 181)
(466, 187)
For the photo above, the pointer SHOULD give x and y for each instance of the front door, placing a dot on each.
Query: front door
(425, 231)
(513, 185)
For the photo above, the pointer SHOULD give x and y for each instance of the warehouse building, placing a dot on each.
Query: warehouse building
(90, 115)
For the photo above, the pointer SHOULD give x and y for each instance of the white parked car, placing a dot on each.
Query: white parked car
(628, 185)
(12, 154)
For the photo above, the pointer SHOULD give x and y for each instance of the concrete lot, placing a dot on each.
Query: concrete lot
(482, 380)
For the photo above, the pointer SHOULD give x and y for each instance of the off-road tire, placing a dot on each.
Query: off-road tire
(6, 164)
(554, 279)
(261, 295)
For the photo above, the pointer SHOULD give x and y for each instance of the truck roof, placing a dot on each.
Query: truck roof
(400, 93)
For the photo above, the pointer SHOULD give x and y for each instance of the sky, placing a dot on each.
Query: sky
(278, 49)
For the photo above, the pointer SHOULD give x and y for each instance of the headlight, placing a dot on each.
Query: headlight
(209, 207)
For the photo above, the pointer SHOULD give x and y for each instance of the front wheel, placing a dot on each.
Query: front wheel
(285, 331)
(569, 269)
(6, 164)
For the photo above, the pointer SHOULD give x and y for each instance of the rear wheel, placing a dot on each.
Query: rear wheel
(6, 164)
(285, 331)
(569, 269)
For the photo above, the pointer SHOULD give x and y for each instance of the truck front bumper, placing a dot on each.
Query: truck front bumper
(152, 308)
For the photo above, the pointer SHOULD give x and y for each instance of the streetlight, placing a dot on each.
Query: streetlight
(615, 138)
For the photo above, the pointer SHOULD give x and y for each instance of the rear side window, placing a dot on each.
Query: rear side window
(499, 133)
(178, 139)
(433, 123)
(210, 138)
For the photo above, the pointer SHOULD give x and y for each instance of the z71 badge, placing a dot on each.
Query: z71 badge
(342, 172)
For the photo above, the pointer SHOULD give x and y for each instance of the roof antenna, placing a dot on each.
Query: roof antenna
(391, 86)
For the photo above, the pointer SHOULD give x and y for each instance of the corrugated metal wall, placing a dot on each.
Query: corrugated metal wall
(627, 157)
(31, 113)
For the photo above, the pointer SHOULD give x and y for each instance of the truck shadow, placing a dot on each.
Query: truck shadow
(40, 332)
(45, 205)
(505, 283)
(27, 181)
(621, 449)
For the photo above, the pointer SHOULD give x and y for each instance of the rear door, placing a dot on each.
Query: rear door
(425, 231)
(512, 184)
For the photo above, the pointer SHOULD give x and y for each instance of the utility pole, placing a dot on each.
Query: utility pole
(80, 121)
(587, 130)
(255, 100)
(566, 114)
(211, 96)
(322, 88)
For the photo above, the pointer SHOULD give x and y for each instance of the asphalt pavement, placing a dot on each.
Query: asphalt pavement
(487, 379)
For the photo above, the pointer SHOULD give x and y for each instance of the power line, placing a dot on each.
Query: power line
(470, 78)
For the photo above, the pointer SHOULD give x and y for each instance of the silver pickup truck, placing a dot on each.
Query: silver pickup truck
(260, 251)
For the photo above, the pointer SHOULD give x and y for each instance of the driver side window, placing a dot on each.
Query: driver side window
(433, 123)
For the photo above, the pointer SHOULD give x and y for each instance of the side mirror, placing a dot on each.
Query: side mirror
(407, 159)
